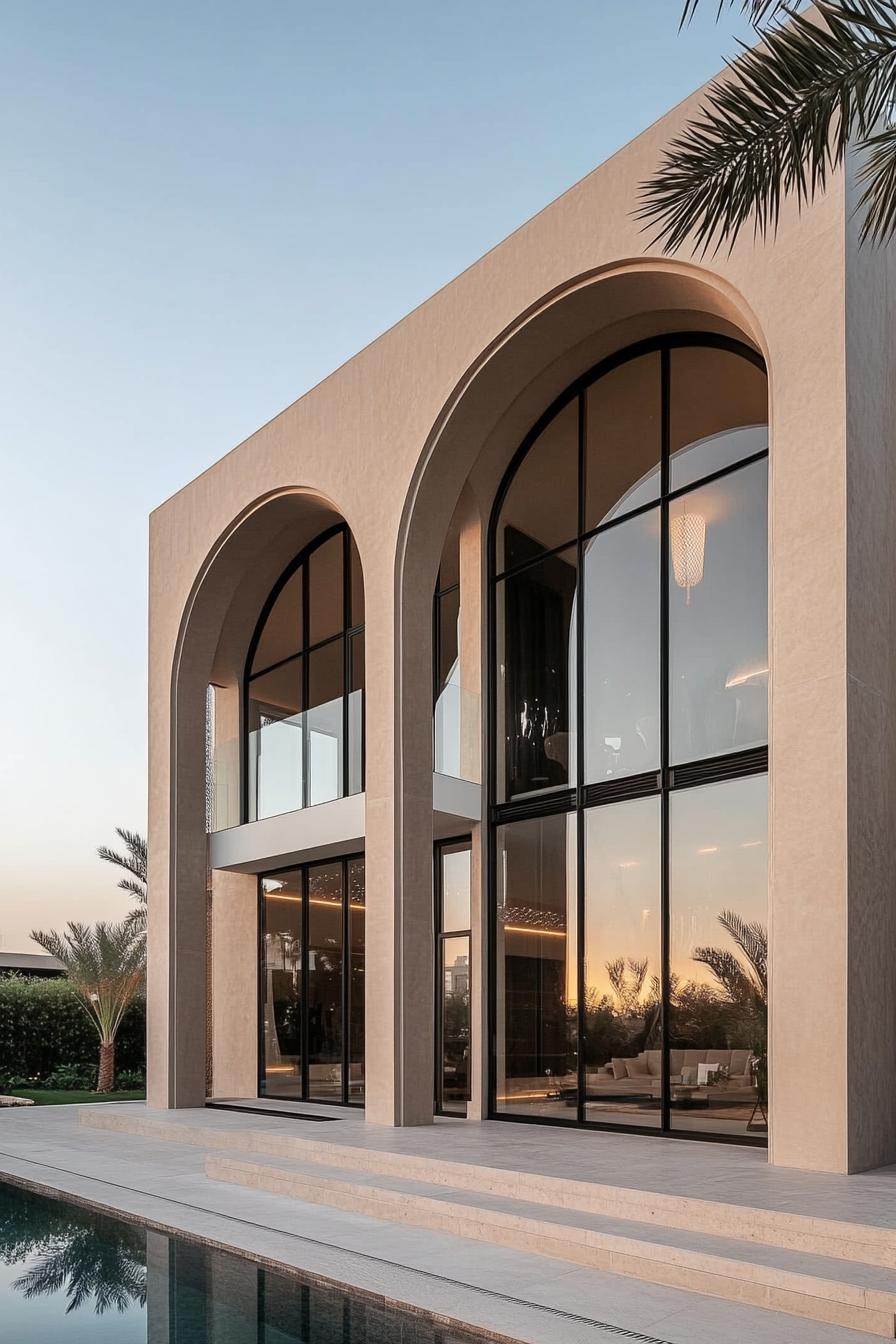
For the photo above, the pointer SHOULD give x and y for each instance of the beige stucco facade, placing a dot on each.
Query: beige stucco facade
(429, 415)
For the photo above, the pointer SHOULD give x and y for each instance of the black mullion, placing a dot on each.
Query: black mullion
(304, 995)
(260, 985)
(714, 476)
(665, 408)
(346, 975)
(437, 955)
(534, 560)
(581, 1080)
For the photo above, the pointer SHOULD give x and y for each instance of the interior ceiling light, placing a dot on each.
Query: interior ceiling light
(687, 535)
(751, 676)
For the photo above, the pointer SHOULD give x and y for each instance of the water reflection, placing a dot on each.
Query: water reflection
(97, 1263)
(108, 1280)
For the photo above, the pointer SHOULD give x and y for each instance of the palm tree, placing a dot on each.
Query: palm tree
(105, 965)
(780, 123)
(133, 861)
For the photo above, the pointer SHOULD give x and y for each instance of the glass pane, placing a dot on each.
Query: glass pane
(623, 443)
(718, 412)
(326, 600)
(536, 677)
(357, 617)
(276, 741)
(281, 987)
(449, 565)
(454, 1048)
(281, 636)
(536, 977)
(448, 669)
(324, 722)
(718, 874)
(455, 887)
(540, 510)
(325, 982)
(622, 649)
(718, 617)
(356, 716)
(623, 965)
(356, 918)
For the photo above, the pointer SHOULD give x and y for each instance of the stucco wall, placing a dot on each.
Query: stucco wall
(389, 441)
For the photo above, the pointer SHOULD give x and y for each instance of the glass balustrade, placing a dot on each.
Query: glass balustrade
(295, 762)
(456, 733)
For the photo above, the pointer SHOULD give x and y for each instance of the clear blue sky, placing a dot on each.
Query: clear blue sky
(205, 208)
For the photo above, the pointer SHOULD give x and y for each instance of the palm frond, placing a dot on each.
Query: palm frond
(776, 125)
(758, 10)
(752, 939)
(134, 860)
(105, 964)
(877, 203)
(726, 970)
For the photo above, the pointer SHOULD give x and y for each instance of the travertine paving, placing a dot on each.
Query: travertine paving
(531, 1297)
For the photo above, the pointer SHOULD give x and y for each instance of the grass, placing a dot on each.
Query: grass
(45, 1097)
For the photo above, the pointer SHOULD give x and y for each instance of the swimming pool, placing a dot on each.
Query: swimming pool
(69, 1273)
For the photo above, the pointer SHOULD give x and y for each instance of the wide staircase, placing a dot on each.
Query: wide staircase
(824, 1269)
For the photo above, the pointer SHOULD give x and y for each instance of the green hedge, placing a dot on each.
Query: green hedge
(43, 1026)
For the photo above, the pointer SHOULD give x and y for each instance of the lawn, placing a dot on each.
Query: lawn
(44, 1097)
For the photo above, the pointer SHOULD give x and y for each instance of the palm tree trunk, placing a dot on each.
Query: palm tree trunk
(106, 1080)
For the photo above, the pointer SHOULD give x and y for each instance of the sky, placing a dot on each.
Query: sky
(205, 209)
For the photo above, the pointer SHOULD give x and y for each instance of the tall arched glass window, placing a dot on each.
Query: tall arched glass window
(629, 730)
(304, 683)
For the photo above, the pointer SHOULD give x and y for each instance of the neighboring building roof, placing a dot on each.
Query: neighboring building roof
(30, 963)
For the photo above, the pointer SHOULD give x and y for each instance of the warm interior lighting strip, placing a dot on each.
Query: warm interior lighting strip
(542, 933)
(312, 900)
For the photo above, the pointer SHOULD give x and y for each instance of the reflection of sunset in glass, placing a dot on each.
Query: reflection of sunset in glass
(717, 862)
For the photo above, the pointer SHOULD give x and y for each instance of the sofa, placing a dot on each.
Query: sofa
(641, 1073)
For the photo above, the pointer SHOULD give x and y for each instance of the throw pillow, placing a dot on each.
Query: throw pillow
(637, 1068)
(618, 1067)
(705, 1071)
(689, 1075)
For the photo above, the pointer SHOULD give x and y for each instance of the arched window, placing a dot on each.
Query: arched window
(629, 728)
(304, 683)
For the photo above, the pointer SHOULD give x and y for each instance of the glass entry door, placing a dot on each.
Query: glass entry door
(311, 923)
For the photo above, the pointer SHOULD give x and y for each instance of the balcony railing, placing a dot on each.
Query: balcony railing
(291, 763)
(457, 734)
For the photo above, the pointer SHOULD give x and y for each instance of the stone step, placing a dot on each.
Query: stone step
(868, 1244)
(821, 1288)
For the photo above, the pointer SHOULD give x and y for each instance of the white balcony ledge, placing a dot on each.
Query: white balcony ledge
(319, 832)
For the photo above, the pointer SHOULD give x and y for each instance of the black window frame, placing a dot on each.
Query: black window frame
(346, 634)
(578, 798)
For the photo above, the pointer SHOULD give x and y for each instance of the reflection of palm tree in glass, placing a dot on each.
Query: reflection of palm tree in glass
(90, 1258)
(745, 985)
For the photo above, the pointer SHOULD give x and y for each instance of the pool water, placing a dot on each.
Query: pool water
(66, 1271)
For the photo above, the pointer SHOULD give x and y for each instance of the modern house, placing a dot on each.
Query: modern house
(522, 707)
